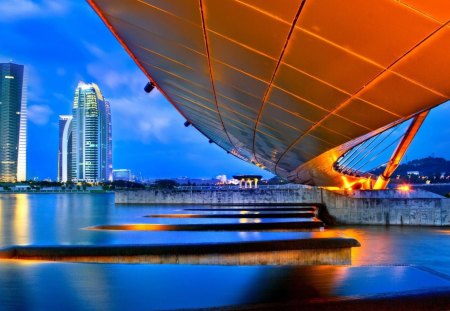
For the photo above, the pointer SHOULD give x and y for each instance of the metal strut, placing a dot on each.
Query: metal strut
(400, 151)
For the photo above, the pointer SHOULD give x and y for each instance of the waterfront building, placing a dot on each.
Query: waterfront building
(91, 141)
(13, 122)
(122, 174)
(248, 181)
(222, 179)
(65, 148)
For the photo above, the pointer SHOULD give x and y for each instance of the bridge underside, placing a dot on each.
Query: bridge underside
(290, 85)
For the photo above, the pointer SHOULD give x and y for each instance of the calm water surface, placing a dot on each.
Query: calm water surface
(49, 219)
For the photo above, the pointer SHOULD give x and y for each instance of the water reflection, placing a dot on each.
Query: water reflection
(61, 219)
(55, 219)
(21, 221)
(48, 286)
(15, 227)
(379, 244)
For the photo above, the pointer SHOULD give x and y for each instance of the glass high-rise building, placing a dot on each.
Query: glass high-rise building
(65, 149)
(13, 122)
(91, 143)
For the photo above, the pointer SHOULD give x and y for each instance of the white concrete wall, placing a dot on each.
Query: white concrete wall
(386, 207)
(223, 197)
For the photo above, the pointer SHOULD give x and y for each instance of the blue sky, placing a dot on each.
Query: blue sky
(63, 42)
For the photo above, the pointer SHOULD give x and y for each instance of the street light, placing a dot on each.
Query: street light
(149, 87)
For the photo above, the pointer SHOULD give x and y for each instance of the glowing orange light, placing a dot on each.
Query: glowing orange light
(404, 188)
(354, 184)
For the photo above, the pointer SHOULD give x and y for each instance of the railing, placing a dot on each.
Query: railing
(230, 188)
(372, 153)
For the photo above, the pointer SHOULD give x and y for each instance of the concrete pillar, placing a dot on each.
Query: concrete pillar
(240, 183)
(250, 183)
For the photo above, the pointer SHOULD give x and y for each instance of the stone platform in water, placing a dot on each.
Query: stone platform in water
(369, 207)
(245, 215)
(52, 286)
(307, 251)
(301, 224)
(308, 208)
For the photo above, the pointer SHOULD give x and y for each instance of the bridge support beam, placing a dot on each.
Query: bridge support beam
(400, 151)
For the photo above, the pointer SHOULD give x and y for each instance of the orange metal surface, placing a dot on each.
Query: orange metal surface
(289, 85)
(400, 151)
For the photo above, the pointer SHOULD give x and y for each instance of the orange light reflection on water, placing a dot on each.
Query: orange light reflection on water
(21, 219)
(2, 233)
(376, 245)
(356, 251)
(249, 220)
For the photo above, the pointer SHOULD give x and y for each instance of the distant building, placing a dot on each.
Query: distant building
(65, 149)
(222, 179)
(413, 173)
(20, 187)
(122, 174)
(13, 122)
(85, 152)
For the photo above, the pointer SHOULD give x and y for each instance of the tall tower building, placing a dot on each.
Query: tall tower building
(91, 135)
(65, 149)
(13, 122)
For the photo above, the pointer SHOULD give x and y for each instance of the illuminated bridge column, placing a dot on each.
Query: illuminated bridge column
(249, 182)
(400, 151)
(241, 182)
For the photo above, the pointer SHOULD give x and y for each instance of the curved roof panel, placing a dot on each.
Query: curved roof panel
(282, 83)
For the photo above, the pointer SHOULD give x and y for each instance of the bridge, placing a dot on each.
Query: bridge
(307, 90)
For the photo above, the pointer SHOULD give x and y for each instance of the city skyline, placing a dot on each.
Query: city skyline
(83, 49)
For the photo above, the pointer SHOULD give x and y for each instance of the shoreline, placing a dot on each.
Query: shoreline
(59, 192)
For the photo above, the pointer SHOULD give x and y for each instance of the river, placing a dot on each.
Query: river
(64, 219)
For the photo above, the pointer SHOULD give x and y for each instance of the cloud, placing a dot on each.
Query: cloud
(21, 9)
(135, 118)
(36, 92)
(112, 78)
(149, 119)
(39, 114)
(94, 50)
(136, 115)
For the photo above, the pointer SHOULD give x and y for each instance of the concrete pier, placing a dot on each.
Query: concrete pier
(288, 196)
(306, 251)
(388, 207)
(380, 207)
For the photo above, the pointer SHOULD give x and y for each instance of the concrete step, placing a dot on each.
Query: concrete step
(303, 251)
(301, 224)
(309, 208)
(246, 215)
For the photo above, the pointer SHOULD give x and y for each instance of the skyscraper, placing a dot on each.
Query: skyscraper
(65, 149)
(91, 142)
(13, 122)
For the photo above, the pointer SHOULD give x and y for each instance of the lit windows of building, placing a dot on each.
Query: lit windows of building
(91, 139)
(13, 122)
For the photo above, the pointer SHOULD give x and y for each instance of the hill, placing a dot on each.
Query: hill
(435, 170)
